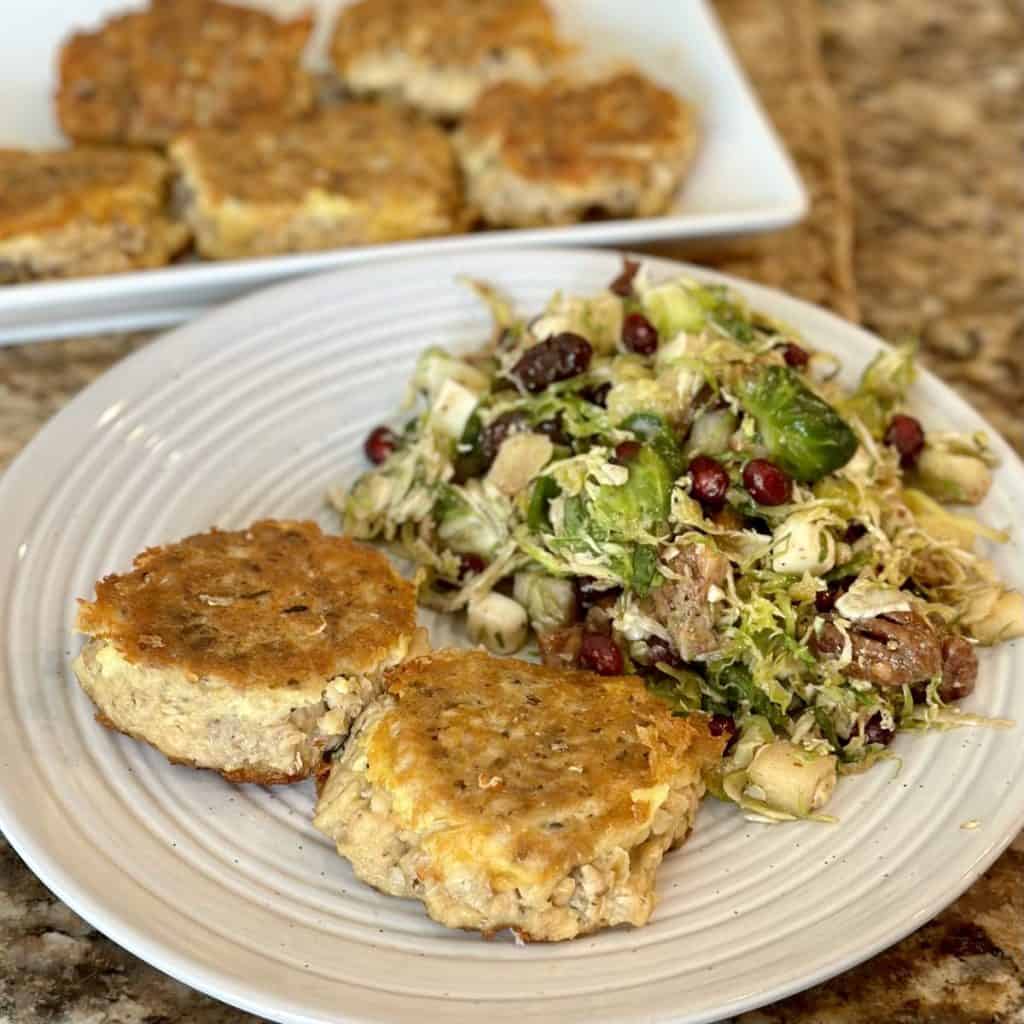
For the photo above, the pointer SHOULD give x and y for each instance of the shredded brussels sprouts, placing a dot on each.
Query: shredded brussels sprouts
(760, 543)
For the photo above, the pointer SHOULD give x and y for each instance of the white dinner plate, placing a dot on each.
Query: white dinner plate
(255, 410)
(742, 180)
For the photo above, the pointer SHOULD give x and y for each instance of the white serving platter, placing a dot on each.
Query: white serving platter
(742, 181)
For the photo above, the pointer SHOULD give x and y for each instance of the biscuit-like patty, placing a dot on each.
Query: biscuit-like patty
(437, 56)
(555, 153)
(146, 76)
(71, 212)
(505, 794)
(356, 174)
(249, 652)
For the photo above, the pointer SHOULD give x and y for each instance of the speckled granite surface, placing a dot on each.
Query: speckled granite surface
(932, 106)
(933, 113)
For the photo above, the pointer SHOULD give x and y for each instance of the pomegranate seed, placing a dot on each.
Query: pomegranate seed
(766, 483)
(875, 732)
(795, 356)
(721, 724)
(471, 565)
(599, 653)
(627, 451)
(639, 335)
(623, 284)
(906, 435)
(379, 444)
(709, 482)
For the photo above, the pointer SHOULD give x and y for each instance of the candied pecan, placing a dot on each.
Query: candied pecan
(889, 650)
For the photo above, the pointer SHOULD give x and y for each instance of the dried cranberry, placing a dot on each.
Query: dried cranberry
(795, 356)
(553, 430)
(906, 435)
(599, 653)
(379, 444)
(471, 565)
(627, 451)
(639, 335)
(597, 394)
(875, 732)
(766, 483)
(500, 429)
(559, 358)
(709, 482)
(623, 284)
(719, 725)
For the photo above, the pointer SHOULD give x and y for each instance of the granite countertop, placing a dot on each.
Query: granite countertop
(931, 104)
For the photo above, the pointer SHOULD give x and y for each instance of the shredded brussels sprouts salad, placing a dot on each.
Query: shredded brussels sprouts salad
(659, 480)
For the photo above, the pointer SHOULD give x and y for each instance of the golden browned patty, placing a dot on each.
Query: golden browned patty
(249, 652)
(356, 174)
(438, 56)
(146, 76)
(64, 213)
(554, 153)
(505, 794)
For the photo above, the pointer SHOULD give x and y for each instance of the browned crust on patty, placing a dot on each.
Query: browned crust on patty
(358, 151)
(145, 76)
(277, 604)
(565, 738)
(84, 211)
(567, 133)
(45, 189)
(354, 175)
(446, 32)
(505, 794)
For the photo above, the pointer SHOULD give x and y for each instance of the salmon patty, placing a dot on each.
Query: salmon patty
(504, 794)
(439, 56)
(145, 76)
(248, 652)
(353, 175)
(560, 152)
